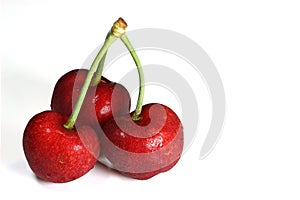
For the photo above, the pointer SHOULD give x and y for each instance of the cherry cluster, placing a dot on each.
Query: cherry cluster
(90, 119)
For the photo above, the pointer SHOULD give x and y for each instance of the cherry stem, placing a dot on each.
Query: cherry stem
(98, 75)
(138, 109)
(116, 31)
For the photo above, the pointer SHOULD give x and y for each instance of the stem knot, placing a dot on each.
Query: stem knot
(119, 27)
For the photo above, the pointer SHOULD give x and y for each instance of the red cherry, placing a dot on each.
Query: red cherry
(100, 103)
(146, 147)
(57, 154)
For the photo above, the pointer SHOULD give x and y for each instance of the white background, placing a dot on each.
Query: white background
(255, 46)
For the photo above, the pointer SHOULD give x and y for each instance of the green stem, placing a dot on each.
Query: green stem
(118, 29)
(97, 76)
(138, 109)
(72, 119)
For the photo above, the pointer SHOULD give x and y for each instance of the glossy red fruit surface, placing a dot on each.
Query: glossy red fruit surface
(100, 103)
(55, 153)
(68, 85)
(141, 149)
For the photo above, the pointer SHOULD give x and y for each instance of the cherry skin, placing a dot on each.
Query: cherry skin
(144, 148)
(57, 154)
(100, 103)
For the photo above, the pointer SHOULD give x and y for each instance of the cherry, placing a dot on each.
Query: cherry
(146, 142)
(100, 102)
(57, 154)
(55, 149)
(146, 147)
